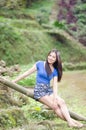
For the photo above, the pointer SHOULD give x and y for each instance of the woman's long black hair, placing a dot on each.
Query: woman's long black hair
(57, 64)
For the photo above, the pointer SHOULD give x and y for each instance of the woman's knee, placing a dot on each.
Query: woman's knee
(61, 102)
(54, 108)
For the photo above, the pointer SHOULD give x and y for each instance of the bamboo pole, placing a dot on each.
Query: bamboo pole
(30, 93)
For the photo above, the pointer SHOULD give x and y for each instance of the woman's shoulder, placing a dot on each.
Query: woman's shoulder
(40, 62)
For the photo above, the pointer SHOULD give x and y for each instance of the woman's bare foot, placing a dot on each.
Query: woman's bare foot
(78, 123)
(73, 125)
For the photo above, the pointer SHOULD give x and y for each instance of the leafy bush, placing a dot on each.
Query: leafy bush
(59, 24)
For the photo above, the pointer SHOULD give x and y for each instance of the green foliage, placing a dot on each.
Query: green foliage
(42, 16)
(8, 33)
(28, 81)
(81, 22)
(41, 114)
(37, 112)
(11, 118)
(41, 3)
(16, 14)
(25, 24)
(81, 7)
(81, 18)
(71, 66)
(9, 38)
(28, 42)
(41, 10)
(9, 4)
(76, 16)
(60, 25)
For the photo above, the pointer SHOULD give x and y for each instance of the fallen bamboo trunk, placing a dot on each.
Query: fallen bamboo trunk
(30, 93)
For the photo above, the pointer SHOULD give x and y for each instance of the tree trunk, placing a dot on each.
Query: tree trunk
(30, 92)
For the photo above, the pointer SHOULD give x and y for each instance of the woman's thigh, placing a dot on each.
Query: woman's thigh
(60, 101)
(47, 100)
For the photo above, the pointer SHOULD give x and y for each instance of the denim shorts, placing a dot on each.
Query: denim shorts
(41, 90)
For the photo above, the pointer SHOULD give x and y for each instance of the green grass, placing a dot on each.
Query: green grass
(24, 40)
(37, 6)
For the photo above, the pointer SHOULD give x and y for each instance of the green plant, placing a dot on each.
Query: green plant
(60, 25)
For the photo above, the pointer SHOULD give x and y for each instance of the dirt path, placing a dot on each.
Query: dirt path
(73, 90)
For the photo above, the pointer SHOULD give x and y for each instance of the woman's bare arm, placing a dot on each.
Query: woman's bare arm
(25, 74)
(55, 87)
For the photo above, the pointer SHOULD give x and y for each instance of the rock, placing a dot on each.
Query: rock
(2, 63)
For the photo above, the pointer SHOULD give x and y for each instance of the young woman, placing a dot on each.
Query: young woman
(47, 70)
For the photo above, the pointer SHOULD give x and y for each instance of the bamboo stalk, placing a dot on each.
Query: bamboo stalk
(30, 93)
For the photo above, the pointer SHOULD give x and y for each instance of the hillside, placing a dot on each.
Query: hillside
(23, 40)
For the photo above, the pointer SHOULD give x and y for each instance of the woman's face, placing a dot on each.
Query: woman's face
(51, 58)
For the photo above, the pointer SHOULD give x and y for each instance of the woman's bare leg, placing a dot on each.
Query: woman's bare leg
(65, 112)
(61, 110)
(48, 101)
